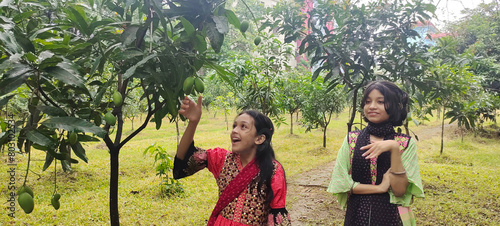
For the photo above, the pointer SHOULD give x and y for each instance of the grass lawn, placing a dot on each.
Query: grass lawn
(461, 186)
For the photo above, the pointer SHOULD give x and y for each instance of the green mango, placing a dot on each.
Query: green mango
(110, 118)
(24, 189)
(188, 85)
(73, 138)
(117, 99)
(25, 200)
(257, 41)
(55, 201)
(198, 85)
(244, 26)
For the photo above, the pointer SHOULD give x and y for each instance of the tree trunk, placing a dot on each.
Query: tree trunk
(113, 188)
(353, 113)
(324, 137)
(225, 118)
(442, 133)
(291, 123)
(132, 120)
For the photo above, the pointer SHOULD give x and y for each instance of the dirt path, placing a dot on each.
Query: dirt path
(312, 205)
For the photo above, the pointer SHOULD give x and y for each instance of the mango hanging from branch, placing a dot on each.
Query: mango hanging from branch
(188, 85)
(198, 85)
(117, 99)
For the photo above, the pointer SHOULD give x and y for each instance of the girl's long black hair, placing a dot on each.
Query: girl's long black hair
(265, 152)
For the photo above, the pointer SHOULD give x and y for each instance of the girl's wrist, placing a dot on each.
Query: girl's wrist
(395, 147)
(380, 189)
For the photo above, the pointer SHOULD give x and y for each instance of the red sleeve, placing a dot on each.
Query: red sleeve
(215, 159)
(278, 185)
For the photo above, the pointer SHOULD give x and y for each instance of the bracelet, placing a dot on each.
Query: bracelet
(398, 173)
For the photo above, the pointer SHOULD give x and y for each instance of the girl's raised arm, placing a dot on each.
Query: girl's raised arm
(192, 112)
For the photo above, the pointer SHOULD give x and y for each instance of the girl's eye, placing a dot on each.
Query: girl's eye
(381, 102)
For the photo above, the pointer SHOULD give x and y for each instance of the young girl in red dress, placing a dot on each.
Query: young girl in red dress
(252, 185)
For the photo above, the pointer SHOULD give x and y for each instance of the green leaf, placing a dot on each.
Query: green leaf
(75, 125)
(22, 16)
(38, 138)
(188, 27)
(77, 15)
(232, 18)
(129, 35)
(66, 166)
(9, 43)
(79, 151)
(24, 42)
(101, 90)
(49, 61)
(128, 54)
(222, 72)
(44, 33)
(52, 111)
(132, 69)
(48, 161)
(216, 38)
(158, 119)
(14, 78)
(87, 138)
(430, 7)
(5, 100)
(99, 23)
(66, 73)
(200, 44)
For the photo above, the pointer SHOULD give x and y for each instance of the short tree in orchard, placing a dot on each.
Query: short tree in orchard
(80, 62)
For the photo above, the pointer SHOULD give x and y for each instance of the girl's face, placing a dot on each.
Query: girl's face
(374, 109)
(244, 135)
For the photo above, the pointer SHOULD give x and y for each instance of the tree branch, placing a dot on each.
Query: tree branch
(150, 113)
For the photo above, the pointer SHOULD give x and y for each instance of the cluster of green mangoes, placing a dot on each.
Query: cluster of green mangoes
(25, 199)
(109, 118)
(191, 83)
(55, 201)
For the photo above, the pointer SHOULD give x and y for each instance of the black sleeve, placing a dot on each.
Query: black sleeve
(195, 160)
(279, 217)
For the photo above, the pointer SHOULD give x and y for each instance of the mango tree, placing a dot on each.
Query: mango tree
(320, 104)
(452, 87)
(291, 96)
(80, 60)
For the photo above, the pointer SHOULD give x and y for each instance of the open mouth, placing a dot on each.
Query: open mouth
(235, 140)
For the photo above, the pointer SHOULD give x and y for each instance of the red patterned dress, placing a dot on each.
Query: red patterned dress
(249, 207)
